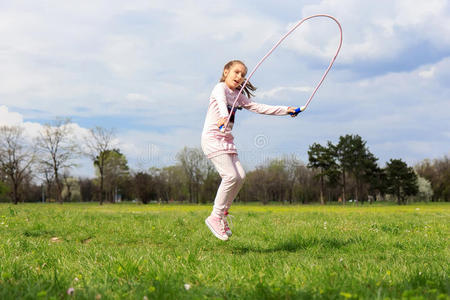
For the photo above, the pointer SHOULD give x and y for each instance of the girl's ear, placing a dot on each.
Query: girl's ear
(225, 72)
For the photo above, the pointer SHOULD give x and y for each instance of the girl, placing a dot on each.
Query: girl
(219, 147)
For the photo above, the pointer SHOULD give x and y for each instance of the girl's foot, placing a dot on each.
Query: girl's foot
(216, 225)
(225, 224)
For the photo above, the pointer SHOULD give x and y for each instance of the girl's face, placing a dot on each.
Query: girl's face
(235, 75)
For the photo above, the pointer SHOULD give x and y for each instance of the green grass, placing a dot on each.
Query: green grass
(131, 251)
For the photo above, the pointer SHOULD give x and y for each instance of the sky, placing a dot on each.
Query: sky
(146, 69)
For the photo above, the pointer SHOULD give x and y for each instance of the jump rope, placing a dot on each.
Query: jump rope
(302, 108)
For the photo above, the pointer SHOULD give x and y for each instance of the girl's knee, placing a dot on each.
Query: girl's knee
(234, 179)
(242, 177)
(239, 178)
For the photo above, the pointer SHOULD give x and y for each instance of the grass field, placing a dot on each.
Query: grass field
(134, 251)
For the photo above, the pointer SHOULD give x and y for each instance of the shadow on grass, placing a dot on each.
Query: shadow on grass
(298, 243)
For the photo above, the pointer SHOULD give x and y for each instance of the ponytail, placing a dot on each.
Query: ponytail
(248, 89)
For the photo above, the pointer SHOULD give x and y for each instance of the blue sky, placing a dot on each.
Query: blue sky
(146, 68)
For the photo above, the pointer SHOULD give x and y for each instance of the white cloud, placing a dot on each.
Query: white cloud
(377, 30)
(125, 55)
(427, 73)
(136, 97)
(149, 148)
(276, 91)
(9, 118)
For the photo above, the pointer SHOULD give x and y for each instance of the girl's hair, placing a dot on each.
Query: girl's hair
(249, 88)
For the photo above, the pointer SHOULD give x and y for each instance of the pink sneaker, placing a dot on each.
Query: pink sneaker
(225, 224)
(216, 226)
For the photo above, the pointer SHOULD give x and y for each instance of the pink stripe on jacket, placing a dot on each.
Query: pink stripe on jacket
(214, 142)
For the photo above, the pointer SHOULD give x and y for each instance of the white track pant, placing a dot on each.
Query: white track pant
(233, 175)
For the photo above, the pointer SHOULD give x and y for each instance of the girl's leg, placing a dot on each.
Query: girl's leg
(237, 188)
(232, 174)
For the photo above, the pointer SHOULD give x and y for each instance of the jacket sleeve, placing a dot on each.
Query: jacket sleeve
(218, 94)
(262, 108)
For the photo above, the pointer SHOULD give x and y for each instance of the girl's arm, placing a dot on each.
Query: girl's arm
(218, 94)
(264, 108)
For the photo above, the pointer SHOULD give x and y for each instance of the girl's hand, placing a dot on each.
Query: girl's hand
(291, 111)
(294, 111)
(221, 122)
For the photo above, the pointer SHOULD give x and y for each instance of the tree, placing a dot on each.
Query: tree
(305, 188)
(4, 191)
(277, 179)
(425, 191)
(376, 178)
(342, 152)
(438, 173)
(211, 180)
(57, 150)
(292, 171)
(371, 177)
(443, 169)
(144, 187)
(87, 188)
(31, 192)
(15, 158)
(280, 180)
(99, 141)
(71, 190)
(362, 160)
(193, 162)
(401, 180)
(174, 178)
(256, 185)
(48, 175)
(322, 160)
(115, 170)
(355, 160)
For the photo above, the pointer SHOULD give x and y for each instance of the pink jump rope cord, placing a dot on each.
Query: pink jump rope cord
(275, 46)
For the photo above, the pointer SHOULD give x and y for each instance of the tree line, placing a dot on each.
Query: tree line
(40, 170)
(349, 168)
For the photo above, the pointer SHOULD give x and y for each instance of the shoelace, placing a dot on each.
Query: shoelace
(223, 226)
(228, 218)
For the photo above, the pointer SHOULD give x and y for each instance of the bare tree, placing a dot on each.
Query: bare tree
(277, 184)
(99, 143)
(210, 182)
(57, 150)
(292, 165)
(305, 185)
(69, 183)
(174, 182)
(48, 177)
(438, 173)
(193, 162)
(16, 158)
